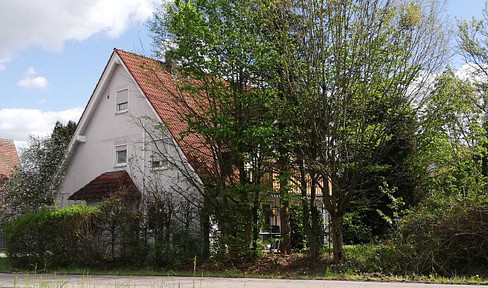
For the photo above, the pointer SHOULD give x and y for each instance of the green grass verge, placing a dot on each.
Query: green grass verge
(358, 254)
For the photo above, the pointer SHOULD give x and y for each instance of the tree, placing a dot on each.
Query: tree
(36, 183)
(451, 139)
(214, 45)
(473, 44)
(353, 92)
(335, 75)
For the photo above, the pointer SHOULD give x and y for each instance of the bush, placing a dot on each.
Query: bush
(355, 230)
(388, 259)
(51, 238)
(118, 232)
(113, 233)
(446, 235)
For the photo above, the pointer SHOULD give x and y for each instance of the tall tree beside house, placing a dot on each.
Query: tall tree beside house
(34, 185)
(352, 93)
(214, 44)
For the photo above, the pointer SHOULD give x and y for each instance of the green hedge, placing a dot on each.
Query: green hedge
(52, 238)
(114, 233)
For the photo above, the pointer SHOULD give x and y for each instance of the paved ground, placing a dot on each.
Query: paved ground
(66, 281)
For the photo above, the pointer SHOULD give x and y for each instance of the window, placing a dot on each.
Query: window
(121, 155)
(157, 163)
(122, 100)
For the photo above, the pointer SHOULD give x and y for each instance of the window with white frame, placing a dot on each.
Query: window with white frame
(158, 163)
(122, 101)
(120, 155)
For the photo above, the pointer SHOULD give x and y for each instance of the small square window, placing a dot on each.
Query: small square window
(122, 101)
(121, 155)
(157, 163)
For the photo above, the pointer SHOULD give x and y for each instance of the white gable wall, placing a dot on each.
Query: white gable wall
(101, 129)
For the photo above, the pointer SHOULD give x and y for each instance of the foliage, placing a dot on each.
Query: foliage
(355, 230)
(214, 50)
(118, 231)
(451, 139)
(352, 98)
(51, 238)
(35, 185)
(447, 235)
(391, 189)
(298, 237)
(473, 42)
(323, 115)
(383, 259)
(113, 233)
(173, 241)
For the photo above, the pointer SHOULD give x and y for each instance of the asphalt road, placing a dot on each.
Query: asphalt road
(67, 281)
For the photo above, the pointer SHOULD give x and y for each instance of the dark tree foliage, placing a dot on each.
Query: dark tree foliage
(371, 216)
(35, 184)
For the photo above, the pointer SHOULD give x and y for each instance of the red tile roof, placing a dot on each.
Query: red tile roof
(161, 90)
(107, 185)
(8, 157)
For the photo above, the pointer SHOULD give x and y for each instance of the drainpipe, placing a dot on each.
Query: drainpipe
(143, 162)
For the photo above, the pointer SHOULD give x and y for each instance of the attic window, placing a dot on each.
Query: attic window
(122, 101)
(157, 163)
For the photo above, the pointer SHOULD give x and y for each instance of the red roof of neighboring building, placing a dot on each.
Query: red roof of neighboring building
(8, 157)
(106, 185)
(161, 90)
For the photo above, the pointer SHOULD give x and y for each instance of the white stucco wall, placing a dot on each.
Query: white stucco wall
(106, 129)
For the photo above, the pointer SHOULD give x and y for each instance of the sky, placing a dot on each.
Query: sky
(52, 53)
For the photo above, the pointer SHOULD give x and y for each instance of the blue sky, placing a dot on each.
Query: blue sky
(52, 53)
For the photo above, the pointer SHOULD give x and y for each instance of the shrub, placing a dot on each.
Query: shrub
(51, 238)
(118, 231)
(113, 233)
(446, 235)
(355, 230)
(388, 259)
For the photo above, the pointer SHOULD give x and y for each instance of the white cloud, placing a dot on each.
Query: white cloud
(18, 124)
(32, 81)
(49, 23)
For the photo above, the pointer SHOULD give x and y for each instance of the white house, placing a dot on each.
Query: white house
(120, 144)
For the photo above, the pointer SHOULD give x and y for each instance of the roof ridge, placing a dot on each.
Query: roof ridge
(138, 55)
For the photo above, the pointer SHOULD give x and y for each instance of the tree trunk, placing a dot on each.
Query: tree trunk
(255, 219)
(285, 247)
(306, 211)
(314, 235)
(314, 223)
(337, 240)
